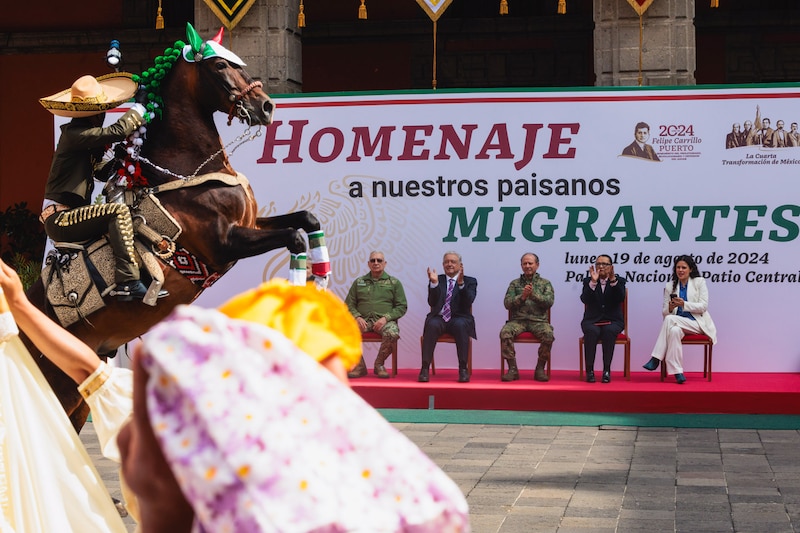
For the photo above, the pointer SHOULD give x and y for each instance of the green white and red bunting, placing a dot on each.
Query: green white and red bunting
(434, 8)
(229, 12)
(640, 6)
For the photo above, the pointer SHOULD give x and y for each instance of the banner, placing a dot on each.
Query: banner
(229, 12)
(434, 8)
(639, 174)
(640, 6)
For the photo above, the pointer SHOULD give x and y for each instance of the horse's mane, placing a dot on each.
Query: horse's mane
(151, 79)
(154, 76)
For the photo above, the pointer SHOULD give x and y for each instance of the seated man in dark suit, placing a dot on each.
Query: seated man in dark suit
(450, 296)
(603, 293)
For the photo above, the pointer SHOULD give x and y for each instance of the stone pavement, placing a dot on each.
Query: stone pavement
(522, 479)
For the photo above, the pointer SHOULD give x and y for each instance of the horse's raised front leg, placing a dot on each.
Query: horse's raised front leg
(318, 250)
(303, 220)
(244, 242)
(270, 233)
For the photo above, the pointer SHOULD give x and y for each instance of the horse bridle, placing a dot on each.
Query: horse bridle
(237, 104)
(237, 108)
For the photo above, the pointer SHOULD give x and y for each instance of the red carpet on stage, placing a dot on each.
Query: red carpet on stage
(727, 393)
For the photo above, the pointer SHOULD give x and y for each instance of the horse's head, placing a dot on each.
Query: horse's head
(227, 87)
(231, 90)
(186, 87)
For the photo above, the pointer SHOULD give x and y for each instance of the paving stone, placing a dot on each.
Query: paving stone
(595, 523)
(761, 527)
(705, 493)
(487, 522)
(523, 523)
(591, 512)
(708, 526)
(644, 524)
(684, 517)
(704, 479)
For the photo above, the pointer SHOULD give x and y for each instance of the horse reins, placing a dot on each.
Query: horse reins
(244, 137)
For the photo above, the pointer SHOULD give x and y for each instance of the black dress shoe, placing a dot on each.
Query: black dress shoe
(423, 376)
(463, 376)
(652, 364)
(590, 376)
(606, 377)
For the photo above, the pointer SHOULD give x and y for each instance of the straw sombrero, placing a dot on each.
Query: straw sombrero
(89, 95)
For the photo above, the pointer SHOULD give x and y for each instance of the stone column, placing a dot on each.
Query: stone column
(668, 43)
(267, 39)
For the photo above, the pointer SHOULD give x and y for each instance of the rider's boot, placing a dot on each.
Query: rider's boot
(135, 290)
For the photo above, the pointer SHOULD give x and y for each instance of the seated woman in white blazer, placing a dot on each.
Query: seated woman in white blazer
(685, 311)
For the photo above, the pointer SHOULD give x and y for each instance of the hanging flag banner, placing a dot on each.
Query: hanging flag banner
(640, 6)
(435, 8)
(229, 12)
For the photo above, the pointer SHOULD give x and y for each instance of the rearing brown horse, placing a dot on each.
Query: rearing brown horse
(219, 222)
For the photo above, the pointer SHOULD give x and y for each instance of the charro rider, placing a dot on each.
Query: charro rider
(68, 214)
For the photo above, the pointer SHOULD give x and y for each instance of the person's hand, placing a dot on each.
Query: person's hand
(362, 324)
(678, 302)
(460, 279)
(526, 292)
(11, 284)
(432, 276)
(141, 95)
(595, 275)
(377, 327)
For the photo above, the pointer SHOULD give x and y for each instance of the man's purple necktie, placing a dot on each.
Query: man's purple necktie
(446, 308)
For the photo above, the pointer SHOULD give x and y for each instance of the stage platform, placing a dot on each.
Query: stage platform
(727, 393)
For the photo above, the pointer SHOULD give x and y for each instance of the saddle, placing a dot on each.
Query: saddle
(78, 276)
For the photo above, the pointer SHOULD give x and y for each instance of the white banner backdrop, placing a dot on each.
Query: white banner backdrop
(492, 175)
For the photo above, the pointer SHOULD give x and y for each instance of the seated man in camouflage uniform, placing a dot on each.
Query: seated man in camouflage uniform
(528, 298)
(377, 301)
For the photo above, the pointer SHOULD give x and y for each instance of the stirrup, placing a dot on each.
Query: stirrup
(154, 292)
